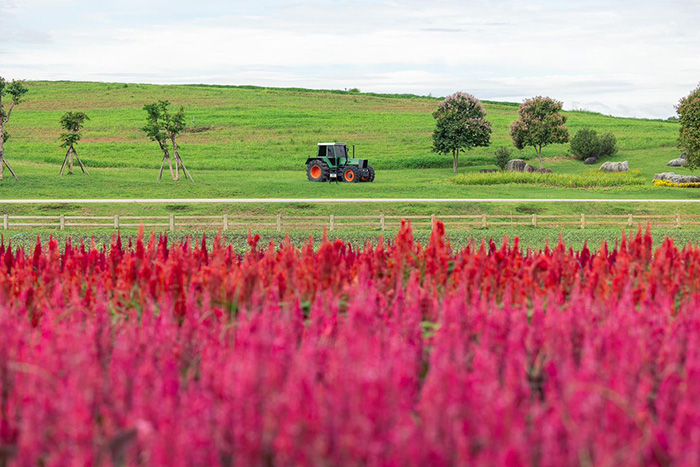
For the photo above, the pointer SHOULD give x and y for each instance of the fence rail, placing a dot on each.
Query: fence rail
(382, 222)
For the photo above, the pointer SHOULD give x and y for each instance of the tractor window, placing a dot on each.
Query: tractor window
(322, 151)
(341, 151)
(330, 152)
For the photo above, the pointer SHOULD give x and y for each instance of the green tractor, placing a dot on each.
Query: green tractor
(332, 163)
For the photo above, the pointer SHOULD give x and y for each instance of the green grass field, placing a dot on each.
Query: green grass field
(252, 142)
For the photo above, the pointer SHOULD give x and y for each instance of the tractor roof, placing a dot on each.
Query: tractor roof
(332, 144)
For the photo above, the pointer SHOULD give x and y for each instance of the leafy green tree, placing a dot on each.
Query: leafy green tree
(608, 144)
(72, 123)
(688, 110)
(16, 90)
(161, 125)
(460, 125)
(539, 124)
(501, 158)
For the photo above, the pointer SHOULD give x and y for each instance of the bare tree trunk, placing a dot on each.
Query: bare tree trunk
(539, 155)
(70, 160)
(2, 143)
(177, 157)
(455, 159)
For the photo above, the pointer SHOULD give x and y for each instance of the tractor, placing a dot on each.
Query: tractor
(332, 163)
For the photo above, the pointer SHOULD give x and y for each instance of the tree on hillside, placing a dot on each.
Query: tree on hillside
(688, 110)
(160, 127)
(16, 90)
(460, 125)
(173, 125)
(72, 122)
(539, 124)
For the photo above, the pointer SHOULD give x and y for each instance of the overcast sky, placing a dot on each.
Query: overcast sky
(626, 58)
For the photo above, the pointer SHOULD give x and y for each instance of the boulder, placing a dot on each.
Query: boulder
(680, 162)
(615, 166)
(545, 171)
(590, 160)
(516, 165)
(488, 171)
(530, 168)
(677, 178)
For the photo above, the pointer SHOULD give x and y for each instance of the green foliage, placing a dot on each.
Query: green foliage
(460, 125)
(72, 122)
(585, 143)
(15, 89)
(501, 158)
(155, 128)
(688, 110)
(539, 124)
(585, 180)
(608, 144)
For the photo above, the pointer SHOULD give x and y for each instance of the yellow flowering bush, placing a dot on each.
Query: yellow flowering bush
(673, 184)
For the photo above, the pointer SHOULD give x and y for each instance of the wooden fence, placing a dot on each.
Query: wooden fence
(377, 222)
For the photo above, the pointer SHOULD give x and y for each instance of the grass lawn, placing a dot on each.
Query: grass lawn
(252, 142)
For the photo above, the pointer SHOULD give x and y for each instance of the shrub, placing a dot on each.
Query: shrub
(608, 144)
(501, 158)
(689, 132)
(585, 143)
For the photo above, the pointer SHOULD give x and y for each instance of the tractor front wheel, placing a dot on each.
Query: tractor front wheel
(370, 175)
(350, 175)
(317, 171)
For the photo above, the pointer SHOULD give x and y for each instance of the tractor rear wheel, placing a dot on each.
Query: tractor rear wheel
(317, 171)
(350, 175)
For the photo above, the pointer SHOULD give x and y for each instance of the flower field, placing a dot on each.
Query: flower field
(392, 353)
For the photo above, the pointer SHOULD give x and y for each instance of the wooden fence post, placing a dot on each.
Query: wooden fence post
(172, 222)
(5, 224)
(629, 220)
(62, 222)
(116, 221)
(381, 221)
(583, 221)
(534, 220)
(483, 220)
(432, 220)
(332, 222)
(279, 222)
(678, 220)
(225, 222)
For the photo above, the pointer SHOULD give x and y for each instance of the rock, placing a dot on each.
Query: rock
(684, 156)
(488, 171)
(590, 160)
(615, 167)
(545, 171)
(529, 168)
(680, 162)
(516, 165)
(677, 178)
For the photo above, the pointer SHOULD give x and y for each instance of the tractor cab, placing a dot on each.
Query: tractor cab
(332, 162)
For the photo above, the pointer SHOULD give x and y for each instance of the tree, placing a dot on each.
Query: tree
(688, 110)
(539, 124)
(160, 127)
(501, 158)
(16, 90)
(461, 125)
(72, 122)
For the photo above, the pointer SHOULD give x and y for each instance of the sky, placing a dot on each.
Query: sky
(623, 58)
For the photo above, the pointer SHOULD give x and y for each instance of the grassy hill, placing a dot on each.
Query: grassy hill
(252, 142)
